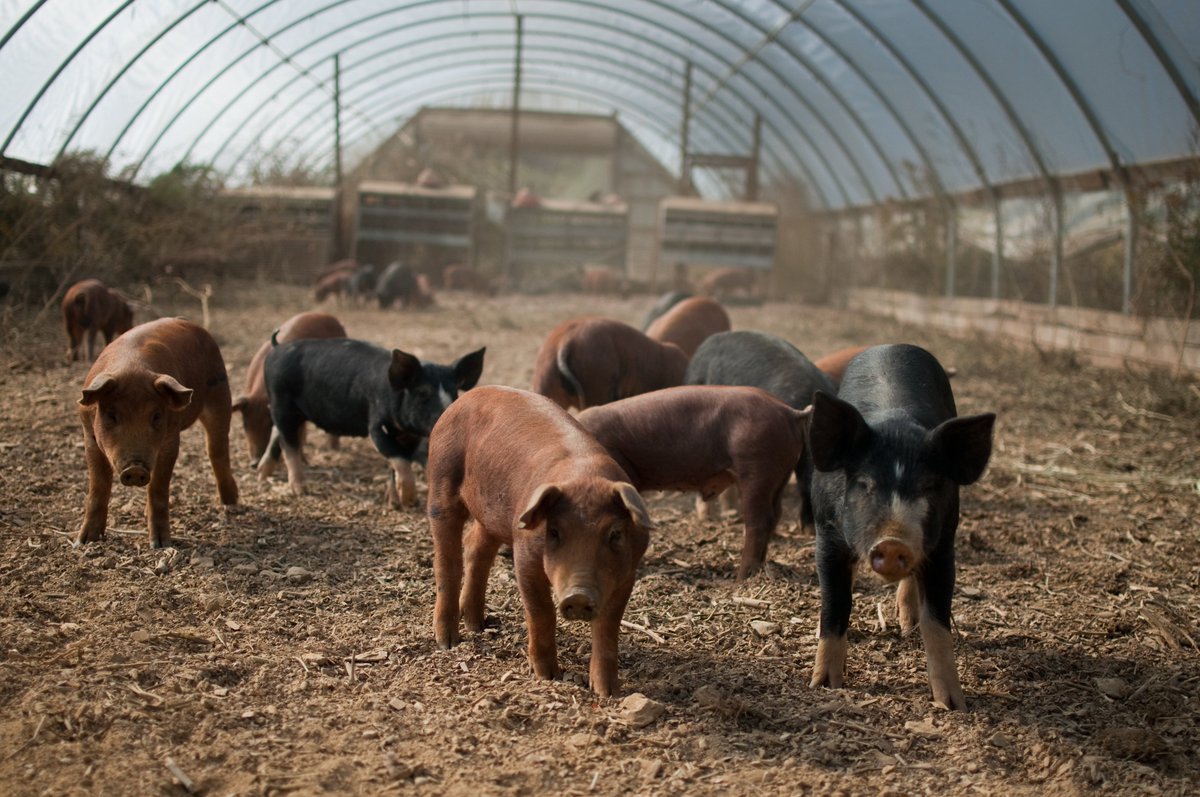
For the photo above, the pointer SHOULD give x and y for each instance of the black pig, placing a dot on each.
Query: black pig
(356, 389)
(890, 455)
(770, 363)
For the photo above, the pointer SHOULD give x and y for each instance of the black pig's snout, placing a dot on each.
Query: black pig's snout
(578, 604)
(892, 559)
(135, 475)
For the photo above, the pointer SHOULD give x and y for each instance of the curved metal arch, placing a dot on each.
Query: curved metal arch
(175, 72)
(798, 127)
(33, 9)
(128, 65)
(824, 161)
(880, 95)
(505, 63)
(838, 97)
(1018, 124)
(57, 72)
(1142, 25)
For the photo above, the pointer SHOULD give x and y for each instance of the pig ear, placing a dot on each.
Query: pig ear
(544, 497)
(836, 432)
(177, 395)
(404, 371)
(101, 386)
(628, 495)
(960, 447)
(239, 404)
(468, 369)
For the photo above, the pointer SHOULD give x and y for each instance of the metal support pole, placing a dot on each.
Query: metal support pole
(951, 248)
(998, 248)
(685, 178)
(514, 143)
(752, 168)
(1131, 229)
(1056, 254)
(339, 242)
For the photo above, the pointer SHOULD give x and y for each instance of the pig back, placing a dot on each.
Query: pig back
(898, 377)
(757, 359)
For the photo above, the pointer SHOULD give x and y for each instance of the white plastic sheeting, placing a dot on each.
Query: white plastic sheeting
(861, 100)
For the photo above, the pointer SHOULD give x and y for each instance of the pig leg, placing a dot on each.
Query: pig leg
(761, 508)
(938, 573)
(606, 630)
(481, 548)
(294, 460)
(270, 457)
(401, 490)
(446, 524)
(539, 611)
(287, 436)
(91, 344)
(835, 571)
(158, 494)
(908, 603)
(216, 438)
(100, 476)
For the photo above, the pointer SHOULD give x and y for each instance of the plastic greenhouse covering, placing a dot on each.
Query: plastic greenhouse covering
(862, 101)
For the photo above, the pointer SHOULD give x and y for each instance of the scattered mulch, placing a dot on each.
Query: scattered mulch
(287, 647)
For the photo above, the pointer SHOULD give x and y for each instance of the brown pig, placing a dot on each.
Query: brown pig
(704, 438)
(90, 308)
(688, 323)
(529, 476)
(144, 389)
(252, 404)
(834, 364)
(459, 277)
(588, 361)
(726, 282)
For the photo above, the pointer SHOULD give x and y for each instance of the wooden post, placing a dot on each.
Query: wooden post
(514, 144)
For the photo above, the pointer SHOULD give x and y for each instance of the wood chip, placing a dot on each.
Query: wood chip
(180, 775)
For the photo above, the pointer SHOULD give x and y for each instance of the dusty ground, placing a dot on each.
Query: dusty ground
(288, 648)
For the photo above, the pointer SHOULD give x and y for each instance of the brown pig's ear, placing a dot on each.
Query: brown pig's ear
(239, 404)
(100, 386)
(177, 395)
(543, 499)
(629, 496)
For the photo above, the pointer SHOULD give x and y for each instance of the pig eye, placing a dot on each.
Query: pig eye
(615, 536)
(156, 418)
(111, 417)
(863, 484)
(553, 535)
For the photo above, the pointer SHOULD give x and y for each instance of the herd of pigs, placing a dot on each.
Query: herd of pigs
(871, 435)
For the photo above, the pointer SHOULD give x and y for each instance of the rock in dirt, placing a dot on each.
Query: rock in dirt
(298, 575)
(638, 711)
(1116, 688)
(764, 628)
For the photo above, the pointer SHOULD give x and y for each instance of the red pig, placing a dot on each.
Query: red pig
(90, 308)
(529, 476)
(589, 361)
(144, 389)
(688, 323)
(252, 404)
(834, 364)
(704, 438)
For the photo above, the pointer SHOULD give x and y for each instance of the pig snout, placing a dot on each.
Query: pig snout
(892, 559)
(579, 603)
(135, 474)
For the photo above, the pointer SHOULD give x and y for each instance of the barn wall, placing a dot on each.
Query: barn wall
(1104, 338)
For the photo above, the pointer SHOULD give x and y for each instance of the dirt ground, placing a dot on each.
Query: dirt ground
(287, 648)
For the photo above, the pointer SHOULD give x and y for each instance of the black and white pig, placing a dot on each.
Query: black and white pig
(890, 454)
(770, 363)
(353, 388)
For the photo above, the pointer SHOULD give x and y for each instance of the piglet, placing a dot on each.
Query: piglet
(353, 388)
(890, 454)
(90, 308)
(689, 323)
(589, 361)
(703, 439)
(144, 389)
(252, 403)
(530, 476)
